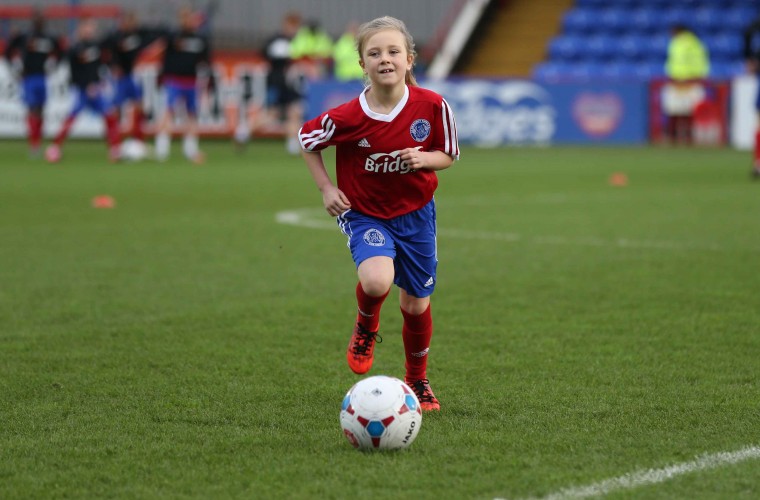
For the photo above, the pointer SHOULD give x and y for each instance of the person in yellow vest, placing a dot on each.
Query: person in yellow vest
(313, 43)
(345, 62)
(688, 63)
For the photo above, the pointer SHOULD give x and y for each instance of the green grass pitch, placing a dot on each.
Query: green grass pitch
(187, 344)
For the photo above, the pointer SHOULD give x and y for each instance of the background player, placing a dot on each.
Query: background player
(389, 143)
(87, 74)
(284, 92)
(187, 55)
(752, 56)
(34, 53)
(124, 47)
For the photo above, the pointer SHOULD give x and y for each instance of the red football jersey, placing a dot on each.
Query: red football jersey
(369, 171)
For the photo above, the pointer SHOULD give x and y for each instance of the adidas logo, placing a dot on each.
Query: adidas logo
(364, 143)
(429, 282)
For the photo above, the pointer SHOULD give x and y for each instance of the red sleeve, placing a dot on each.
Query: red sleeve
(445, 130)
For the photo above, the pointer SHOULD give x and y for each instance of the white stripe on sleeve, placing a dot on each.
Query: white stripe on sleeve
(315, 137)
(451, 145)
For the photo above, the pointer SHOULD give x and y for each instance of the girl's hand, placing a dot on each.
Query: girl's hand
(335, 201)
(414, 158)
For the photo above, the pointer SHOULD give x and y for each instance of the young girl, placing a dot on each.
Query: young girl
(389, 143)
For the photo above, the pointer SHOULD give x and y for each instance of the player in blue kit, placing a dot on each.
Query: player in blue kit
(123, 47)
(34, 53)
(86, 61)
(187, 53)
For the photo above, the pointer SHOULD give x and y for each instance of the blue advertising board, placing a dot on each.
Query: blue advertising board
(504, 112)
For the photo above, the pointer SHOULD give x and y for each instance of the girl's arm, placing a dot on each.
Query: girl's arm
(431, 160)
(334, 200)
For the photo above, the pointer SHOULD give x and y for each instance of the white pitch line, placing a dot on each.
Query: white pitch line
(653, 476)
(315, 219)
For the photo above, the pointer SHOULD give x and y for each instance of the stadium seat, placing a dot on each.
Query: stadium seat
(614, 20)
(725, 46)
(616, 70)
(591, 4)
(598, 47)
(585, 71)
(706, 20)
(579, 21)
(675, 16)
(631, 47)
(727, 70)
(645, 19)
(551, 71)
(565, 48)
(649, 70)
(657, 46)
(737, 19)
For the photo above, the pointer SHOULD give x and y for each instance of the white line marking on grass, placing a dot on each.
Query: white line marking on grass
(653, 476)
(315, 219)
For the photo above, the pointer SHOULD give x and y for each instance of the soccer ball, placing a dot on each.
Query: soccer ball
(380, 413)
(133, 150)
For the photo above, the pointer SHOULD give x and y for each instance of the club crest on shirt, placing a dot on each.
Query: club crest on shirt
(420, 130)
(374, 238)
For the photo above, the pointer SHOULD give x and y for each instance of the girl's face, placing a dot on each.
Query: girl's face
(385, 59)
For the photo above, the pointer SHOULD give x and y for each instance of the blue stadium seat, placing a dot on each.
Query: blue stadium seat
(631, 47)
(586, 71)
(649, 70)
(725, 46)
(614, 20)
(591, 4)
(676, 16)
(617, 71)
(737, 19)
(565, 48)
(727, 70)
(552, 71)
(664, 4)
(645, 20)
(599, 47)
(657, 47)
(579, 21)
(706, 20)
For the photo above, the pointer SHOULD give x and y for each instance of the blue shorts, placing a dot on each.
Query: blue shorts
(409, 239)
(96, 102)
(188, 94)
(35, 91)
(127, 89)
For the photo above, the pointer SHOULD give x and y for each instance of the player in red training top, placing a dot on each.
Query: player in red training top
(389, 143)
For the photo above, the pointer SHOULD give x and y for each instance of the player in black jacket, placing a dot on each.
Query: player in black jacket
(187, 54)
(33, 53)
(86, 62)
(284, 86)
(123, 47)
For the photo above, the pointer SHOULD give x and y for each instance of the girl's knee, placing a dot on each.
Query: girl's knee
(376, 284)
(414, 305)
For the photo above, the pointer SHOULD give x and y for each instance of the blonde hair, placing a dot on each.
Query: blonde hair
(370, 28)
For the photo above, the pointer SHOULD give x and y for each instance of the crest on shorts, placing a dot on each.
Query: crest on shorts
(420, 130)
(374, 238)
